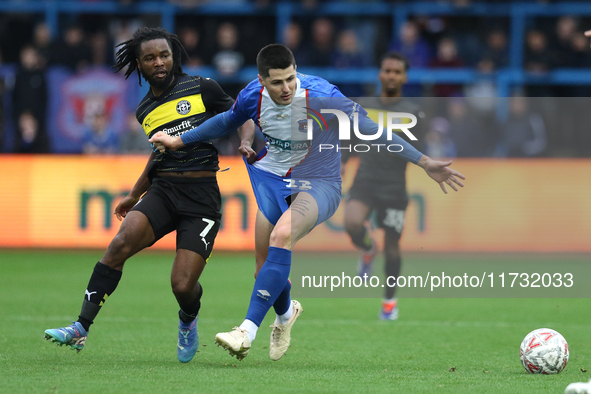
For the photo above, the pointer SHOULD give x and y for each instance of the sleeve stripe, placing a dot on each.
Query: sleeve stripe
(259, 107)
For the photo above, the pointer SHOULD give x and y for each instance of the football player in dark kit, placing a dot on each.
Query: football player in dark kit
(380, 183)
(181, 190)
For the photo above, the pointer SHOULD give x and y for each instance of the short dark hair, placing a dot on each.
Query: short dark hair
(396, 56)
(274, 56)
(130, 50)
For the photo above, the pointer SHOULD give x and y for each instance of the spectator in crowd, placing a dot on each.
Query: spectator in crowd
(496, 49)
(581, 59)
(190, 39)
(438, 143)
(102, 49)
(524, 132)
(484, 86)
(566, 29)
(411, 45)
(42, 42)
(30, 87)
(30, 138)
(582, 56)
(99, 137)
(465, 131)
(292, 38)
(322, 43)
(538, 58)
(447, 57)
(121, 30)
(72, 51)
(228, 59)
(133, 139)
(348, 55)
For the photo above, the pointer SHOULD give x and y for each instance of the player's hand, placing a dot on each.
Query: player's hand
(163, 141)
(440, 172)
(246, 150)
(124, 206)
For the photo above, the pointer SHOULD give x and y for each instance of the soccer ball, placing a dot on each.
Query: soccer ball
(544, 351)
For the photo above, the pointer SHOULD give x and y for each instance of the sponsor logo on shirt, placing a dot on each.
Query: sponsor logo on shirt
(288, 145)
(178, 129)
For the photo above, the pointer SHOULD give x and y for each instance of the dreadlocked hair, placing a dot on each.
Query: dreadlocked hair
(129, 50)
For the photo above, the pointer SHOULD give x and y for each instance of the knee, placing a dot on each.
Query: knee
(120, 244)
(281, 237)
(182, 286)
(118, 252)
(353, 225)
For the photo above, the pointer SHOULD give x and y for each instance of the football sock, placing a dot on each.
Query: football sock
(284, 318)
(392, 268)
(283, 302)
(361, 239)
(367, 241)
(269, 284)
(250, 328)
(189, 312)
(389, 305)
(102, 284)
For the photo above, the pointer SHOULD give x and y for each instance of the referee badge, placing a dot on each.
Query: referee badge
(183, 107)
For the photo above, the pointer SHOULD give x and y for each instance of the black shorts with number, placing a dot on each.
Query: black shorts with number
(388, 202)
(191, 206)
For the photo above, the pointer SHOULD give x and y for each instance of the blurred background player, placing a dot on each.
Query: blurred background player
(178, 190)
(297, 186)
(380, 182)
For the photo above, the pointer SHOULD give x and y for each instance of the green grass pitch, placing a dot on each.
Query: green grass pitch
(339, 345)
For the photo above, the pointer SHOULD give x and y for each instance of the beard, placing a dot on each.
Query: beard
(392, 91)
(159, 83)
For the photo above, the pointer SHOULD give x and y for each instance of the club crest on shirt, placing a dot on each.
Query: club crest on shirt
(303, 125)
(183, 107)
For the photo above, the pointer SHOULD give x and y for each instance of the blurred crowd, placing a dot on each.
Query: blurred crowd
(344, 43)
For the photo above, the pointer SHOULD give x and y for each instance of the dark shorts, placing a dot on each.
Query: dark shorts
(191, 206)
(388, 203)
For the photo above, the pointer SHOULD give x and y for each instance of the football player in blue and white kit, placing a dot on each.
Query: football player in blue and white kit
(297, 185)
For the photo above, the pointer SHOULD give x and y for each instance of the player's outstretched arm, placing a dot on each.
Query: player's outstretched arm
(440, 172)
(213, 128)
(246, 133)
(407, 152)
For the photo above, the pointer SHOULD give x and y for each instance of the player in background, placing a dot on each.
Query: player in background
(297, 186)
(380, 183)
(181, 191)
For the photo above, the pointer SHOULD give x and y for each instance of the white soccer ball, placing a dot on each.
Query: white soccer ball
(544, 351)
